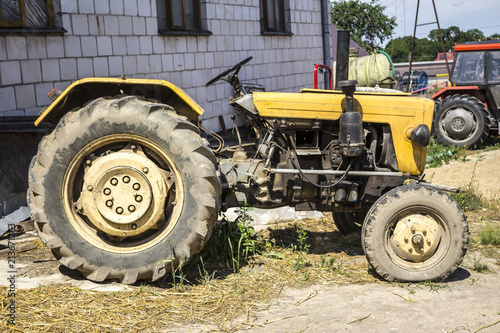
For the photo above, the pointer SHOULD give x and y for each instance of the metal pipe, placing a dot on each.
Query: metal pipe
(412, 47)
(441, 37)
(327, 48)
(336, 172)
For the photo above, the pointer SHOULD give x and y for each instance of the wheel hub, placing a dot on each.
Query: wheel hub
(459, 123)
(415, 237)
(124, 193)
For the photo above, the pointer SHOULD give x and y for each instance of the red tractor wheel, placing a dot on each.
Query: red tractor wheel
(461, 121)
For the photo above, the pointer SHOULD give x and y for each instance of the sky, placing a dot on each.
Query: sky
(465, 14)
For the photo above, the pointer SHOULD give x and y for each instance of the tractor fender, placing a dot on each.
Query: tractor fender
(469, 90)
(83, 91)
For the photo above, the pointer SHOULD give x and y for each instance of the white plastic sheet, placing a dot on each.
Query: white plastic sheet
(263, 218)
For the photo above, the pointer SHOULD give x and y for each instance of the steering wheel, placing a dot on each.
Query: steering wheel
(236, 68)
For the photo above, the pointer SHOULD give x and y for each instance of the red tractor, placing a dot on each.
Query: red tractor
(469, 109)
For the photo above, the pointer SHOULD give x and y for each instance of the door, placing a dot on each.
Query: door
(494, 76)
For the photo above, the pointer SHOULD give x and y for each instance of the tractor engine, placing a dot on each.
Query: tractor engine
(305, 162)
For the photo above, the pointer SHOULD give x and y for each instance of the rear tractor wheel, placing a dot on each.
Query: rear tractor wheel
(461, 121)
(348, 222)
(123, 189)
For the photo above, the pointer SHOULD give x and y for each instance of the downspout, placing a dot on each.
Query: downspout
(327, 48)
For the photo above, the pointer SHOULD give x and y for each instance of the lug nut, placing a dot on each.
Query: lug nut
(133, 226)
(119, 210)
(109, 203)
(137, 186)
(131, 208)
(88, 162)
(145, 170)
(114, 181)
(133, 147)
(418, 240)
(138, 198)
(107, 191)
(126, 179)
(90, 188)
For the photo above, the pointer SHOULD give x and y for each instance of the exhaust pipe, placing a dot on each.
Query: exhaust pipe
(342, 68)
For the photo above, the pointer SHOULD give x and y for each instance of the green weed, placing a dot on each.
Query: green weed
(491, 252)
(180, 277)
(438, 154)
(435, 286)
(269, 250)
(301, 239)
(411, 290)
(410, 287)
(205, 276)
(490, 235)
(249, 242)
(234, 240)
(302, 248)
(329, 264)
(478, 264)
(496, 146)
(492, 143)
(40, 288)
(273, 255)
(468, 199)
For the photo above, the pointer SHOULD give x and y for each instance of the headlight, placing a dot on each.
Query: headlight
(421, 135)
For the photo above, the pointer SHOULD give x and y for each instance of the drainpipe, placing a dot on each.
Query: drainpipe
(327, 48)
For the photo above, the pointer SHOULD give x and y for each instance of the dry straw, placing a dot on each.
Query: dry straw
(207, 294)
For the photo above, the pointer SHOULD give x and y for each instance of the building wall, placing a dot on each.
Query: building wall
(110, 37)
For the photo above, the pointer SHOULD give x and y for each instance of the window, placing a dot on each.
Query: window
(469, 68)
(494, 76)
(494, 67)
(29, 14)
(274, 16)
(180, 17)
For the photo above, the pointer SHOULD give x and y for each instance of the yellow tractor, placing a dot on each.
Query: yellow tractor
(126, 188)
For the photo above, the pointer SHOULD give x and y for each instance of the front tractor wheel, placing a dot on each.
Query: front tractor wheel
(415, 233)
(123, 189)
(461, 121)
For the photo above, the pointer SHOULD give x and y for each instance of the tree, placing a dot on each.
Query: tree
(453, 35)
(400, 48)
(426, 49)
(367, 22)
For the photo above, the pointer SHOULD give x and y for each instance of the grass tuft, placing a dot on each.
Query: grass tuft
(478, 264)
(490, 235)
(492, 143)
(469, 199)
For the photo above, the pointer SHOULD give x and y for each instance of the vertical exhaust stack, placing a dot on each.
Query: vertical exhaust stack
(351, 134)
(342, 68)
